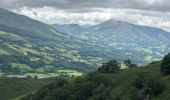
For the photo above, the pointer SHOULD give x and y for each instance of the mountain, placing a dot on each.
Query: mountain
(135, 40)
(21, 22)
(25, 23)
(71, 29)
(128, 40)
(31, 47)
(113, 31)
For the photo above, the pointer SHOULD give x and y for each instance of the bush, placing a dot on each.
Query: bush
(129, 64)
(165, 66)
(110, 67)
(139, 82)
(155, 86)
(147, 87)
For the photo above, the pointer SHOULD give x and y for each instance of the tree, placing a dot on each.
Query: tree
(110, 67)
(146, 87)
(6, 67)
(165, 66)
(129, 64)
(35, 77)
(155, 86)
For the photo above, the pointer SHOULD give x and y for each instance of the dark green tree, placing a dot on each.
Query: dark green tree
(112, 66)
(155, 86)
(129, 63)
(165, 66)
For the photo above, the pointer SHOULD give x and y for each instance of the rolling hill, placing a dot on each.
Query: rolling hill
(135, 41)
(25, 23)
(32, 47)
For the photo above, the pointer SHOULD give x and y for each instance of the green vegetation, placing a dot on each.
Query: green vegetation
(29, 43)
(35, 50)
(34, 45)
(165, 67)
(26, 52)
(11, 88)
(3, 52)
(110, 67)
(135, 83)
(24, 59)
(129, 64)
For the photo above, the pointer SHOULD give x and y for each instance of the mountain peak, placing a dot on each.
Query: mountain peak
(116, 21)
(113, 20)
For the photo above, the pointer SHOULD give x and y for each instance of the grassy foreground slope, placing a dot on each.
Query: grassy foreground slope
(99, 86)
(11, 88)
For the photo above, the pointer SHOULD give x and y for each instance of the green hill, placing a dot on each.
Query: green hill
(25, 23)
(11, 88)
(41, 49)
(129, 84)
(127, 37)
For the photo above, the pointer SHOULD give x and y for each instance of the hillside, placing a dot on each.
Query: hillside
(25, 23)
(100, 86)
(141, 44)
(31, 47)
(11, 88)
(121, 32)
(72, 29)
(84, 50)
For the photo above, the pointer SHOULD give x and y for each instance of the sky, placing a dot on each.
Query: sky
(154, 13)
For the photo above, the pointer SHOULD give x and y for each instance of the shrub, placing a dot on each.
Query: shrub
(139, 82)
(129, 64)
(110, 67)
(165, 66)
(154, 86)
(147, 87)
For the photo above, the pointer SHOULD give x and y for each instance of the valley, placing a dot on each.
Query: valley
(84, 50)
(43, 50)
(141, 44)
(34, 48)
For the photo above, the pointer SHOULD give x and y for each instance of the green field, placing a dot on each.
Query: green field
(31, 55)
(3, 52)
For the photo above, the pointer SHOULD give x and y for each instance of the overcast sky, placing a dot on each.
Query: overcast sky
(155, 13)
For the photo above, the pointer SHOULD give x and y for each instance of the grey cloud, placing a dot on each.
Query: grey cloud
(144, 12)
(88, 5)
